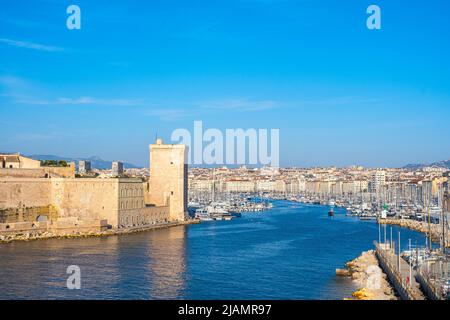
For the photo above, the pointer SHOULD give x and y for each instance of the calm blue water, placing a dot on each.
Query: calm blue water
(290, 252)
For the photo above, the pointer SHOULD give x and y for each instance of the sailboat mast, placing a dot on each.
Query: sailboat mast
(430, 243)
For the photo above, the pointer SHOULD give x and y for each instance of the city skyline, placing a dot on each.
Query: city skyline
(339, 93)
(105, 164)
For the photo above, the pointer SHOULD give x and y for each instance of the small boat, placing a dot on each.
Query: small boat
(331, 212)
(235, 214)
(367, 218)
(203, 215)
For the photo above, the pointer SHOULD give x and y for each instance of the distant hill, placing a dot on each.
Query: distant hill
(96, 162)
(414, 166)
(441, 164)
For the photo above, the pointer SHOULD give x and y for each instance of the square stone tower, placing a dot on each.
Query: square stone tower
(84, 166)
(168, 178)
(116, 168)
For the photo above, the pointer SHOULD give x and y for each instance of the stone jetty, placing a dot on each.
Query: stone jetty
(419, 226)
(369, 278)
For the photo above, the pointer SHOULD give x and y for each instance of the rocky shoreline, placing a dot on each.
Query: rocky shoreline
(418, 226)
(369, 278)
(27, 236)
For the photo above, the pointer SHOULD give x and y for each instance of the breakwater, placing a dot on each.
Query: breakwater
(370, 280)
(419, 226)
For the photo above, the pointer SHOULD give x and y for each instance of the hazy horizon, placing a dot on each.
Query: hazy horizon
(140, 165)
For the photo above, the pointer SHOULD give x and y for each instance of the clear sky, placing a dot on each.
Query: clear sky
(339, 93)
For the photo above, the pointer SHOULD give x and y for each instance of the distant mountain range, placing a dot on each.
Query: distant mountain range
(96, 162)
(441, 164)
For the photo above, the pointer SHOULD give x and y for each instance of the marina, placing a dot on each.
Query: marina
(434, 220)
(225, 206)
(423, 281)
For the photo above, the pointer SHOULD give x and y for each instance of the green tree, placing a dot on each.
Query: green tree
(62, 163)
(49, 163)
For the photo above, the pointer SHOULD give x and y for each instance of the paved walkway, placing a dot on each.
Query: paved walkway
(392, 259)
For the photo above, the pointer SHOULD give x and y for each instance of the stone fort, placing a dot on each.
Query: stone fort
(38, 198)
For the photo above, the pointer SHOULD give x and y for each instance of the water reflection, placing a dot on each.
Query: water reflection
(166, 269)
(149, 265)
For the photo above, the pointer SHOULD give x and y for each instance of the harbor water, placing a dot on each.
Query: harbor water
(290, 252)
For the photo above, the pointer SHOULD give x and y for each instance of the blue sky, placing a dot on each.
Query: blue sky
(339, 93)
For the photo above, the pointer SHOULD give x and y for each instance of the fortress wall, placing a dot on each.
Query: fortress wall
(87, 199)
(24, 192)
(41, 172)
(131, 194)
(132, 209)
(21, 173)
(143, 216)
(56, 193)
(24, 199)
(29, 163)
(60, 172)
(13, 215)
